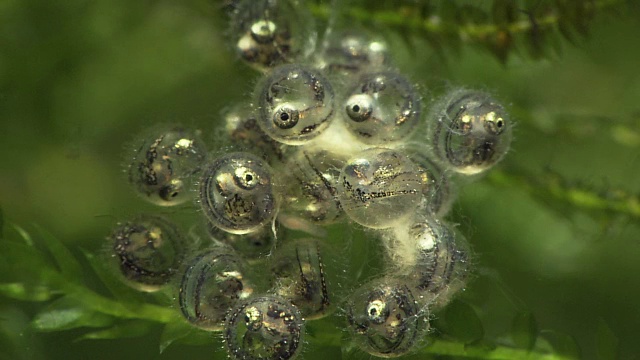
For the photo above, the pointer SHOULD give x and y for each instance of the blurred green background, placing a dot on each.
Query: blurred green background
(555, 227)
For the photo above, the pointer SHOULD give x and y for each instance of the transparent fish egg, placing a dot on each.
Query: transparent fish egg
(312, 178)
(212, 283)
(379, 187)
(266, 328)
(384, 319)
(296, 104)
(299, 276)
(149, 250)
(441, 266)
(383, 107)
(250, 246)
(271, 32)
(237, 193)
(349, 52)
(244, 132)
(470, 132)
(164, 165)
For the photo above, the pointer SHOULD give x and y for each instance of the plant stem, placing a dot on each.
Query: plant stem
(111, 307)
(581, 197)
(441, 347)
(408, 20)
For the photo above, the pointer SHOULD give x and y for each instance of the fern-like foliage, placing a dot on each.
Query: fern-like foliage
(41, 269)
(499, 26)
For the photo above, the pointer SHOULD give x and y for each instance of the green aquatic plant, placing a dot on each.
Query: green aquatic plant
(554, 226)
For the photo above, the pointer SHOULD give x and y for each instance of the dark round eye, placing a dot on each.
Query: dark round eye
(286, 117)
(494, 122)
(378, 312)
(359, 107)
(171, 190)
(246, 178)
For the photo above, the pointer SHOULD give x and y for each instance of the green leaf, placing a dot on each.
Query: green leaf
(22, 261)
(68, 264)
(462, 322)
(128, 329)
(16, 340)
(180, 331)
(563, 344)
(606, 342)
(524, 330)
(111, 280)
(24, 235)
(66, 313)
(26, 292)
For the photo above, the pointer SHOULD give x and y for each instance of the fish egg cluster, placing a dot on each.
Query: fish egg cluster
(333, 133)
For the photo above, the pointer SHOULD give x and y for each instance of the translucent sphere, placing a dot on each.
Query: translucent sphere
(349, 52)
(251, 246)
(149, 250)
(164, 165)
(296, 104)
(213, 282)
(379, 187)
(441, 267)
(383, 107)
(470, 131)
(299, 276)
(384, 318)
(266, 328)
(312, 178)
(271, 32)
(245, 134)
(237, 193)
